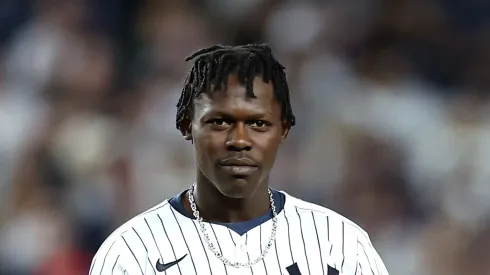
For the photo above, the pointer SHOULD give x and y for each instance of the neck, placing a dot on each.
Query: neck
(213, 206)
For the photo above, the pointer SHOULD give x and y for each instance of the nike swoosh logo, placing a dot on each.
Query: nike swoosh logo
(162, 267)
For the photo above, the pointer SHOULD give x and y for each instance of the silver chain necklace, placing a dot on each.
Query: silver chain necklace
(213, 248)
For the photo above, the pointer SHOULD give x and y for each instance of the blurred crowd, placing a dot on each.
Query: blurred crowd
(391, 99)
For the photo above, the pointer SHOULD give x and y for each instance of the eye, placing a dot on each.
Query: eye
(219, 123)
(259, 124)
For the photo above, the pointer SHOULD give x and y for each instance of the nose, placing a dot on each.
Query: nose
(238, 139)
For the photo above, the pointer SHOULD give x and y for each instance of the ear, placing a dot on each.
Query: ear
(186, 129)
(285, 130)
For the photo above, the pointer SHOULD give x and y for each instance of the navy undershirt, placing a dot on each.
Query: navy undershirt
(239, 227)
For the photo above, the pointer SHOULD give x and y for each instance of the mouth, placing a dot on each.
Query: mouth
(239, 167)
(239, 170)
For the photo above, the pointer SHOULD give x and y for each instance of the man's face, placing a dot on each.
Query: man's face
(236, 138)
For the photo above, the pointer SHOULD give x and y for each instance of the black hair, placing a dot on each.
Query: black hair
(213, 65)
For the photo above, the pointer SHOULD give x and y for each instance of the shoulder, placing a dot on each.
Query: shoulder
(340, 232)
(121, 240)
(138, 221)
(303, 208)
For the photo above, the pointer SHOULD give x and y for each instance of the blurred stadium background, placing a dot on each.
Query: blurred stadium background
(391, 98)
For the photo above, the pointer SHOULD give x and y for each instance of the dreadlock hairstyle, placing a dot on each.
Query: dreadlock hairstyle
(213, 65)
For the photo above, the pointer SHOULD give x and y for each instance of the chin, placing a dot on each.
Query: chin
(237, 187)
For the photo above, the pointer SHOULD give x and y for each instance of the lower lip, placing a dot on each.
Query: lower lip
(240, 170)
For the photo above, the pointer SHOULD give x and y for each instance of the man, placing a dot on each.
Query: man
(235, 110)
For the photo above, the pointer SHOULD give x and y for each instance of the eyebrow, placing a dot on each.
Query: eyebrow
(253, 116)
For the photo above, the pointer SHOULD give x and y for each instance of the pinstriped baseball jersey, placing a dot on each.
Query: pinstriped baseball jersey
(311, 240)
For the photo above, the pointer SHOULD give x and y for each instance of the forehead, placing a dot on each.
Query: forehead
(235, 102)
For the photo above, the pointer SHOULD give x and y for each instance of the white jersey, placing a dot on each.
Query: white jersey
(310, 240)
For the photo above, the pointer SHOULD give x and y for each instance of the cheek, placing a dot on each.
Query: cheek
(207, 145)
(268, 146)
